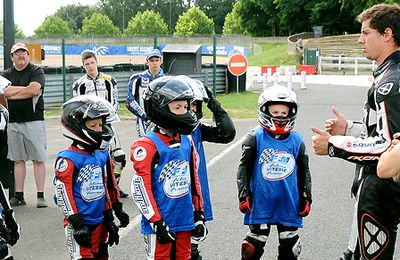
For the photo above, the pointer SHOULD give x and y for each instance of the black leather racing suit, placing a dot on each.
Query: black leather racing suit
(378, 207)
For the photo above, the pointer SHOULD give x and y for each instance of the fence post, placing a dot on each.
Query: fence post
(215, 65)
(63, 70)
(155, 41)
(356, 66)
(303, 80)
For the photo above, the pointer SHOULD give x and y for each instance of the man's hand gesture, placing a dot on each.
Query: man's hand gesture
(320, 141)
(337, 125)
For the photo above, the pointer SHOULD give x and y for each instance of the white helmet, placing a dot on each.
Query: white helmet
(277, 95)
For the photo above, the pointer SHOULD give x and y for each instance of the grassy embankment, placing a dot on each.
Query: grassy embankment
(238, 105)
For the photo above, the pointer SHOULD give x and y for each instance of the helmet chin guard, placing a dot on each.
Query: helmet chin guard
(81, 108)
(277, 95)
(163, 91)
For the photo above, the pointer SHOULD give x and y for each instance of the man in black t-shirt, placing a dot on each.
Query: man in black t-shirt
(26, 133)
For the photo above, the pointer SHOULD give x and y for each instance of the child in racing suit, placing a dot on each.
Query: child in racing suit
(165, 186)
(222, 132)
(136, 87)
(274, 181)
(9, 228)
(86, 190)
(105, 86)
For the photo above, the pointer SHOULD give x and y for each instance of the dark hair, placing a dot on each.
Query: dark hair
(383, 16)
(87, 55)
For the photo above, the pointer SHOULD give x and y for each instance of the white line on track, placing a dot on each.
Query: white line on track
(136, 220)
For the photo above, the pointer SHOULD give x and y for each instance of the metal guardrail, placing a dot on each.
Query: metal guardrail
(341, 62)
(54, 93)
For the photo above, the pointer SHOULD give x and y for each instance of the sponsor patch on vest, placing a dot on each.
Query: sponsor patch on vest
(92, 187)
(176, 177)
(278, 166)
(139, 154)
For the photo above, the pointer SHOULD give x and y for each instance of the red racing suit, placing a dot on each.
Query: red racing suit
(151, 200)
(70, 198)
(378, 207)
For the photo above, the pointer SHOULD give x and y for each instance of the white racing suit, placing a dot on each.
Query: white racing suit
(378, 206)
(104, 86)
(134, 102)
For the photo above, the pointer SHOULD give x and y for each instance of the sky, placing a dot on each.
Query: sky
(30, 14)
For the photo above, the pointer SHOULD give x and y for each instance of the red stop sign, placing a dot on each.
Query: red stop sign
(237, 64)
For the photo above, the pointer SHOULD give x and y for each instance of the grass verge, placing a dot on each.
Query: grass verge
(238, 105)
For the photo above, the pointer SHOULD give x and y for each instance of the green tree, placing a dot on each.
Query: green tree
(99, 24)
(232, 25)
(148, 22)
(256, 21)
(18, 33)
(53, 26)
(194, 21)
(170, 11)
(121, 11)
(357, 6)
(216, 10)
(74, 15)
(344, 19)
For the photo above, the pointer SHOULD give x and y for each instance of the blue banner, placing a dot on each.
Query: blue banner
(222, 50)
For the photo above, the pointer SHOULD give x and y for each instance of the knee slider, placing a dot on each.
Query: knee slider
(253, 246)
(289, 245)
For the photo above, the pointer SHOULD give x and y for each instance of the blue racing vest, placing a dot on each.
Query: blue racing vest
(171, 185)
(202, 173)
(88, 185)
(274, 190)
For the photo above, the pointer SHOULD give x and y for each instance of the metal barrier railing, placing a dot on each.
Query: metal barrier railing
(341, 62)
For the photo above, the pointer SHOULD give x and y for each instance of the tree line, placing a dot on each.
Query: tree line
(191, 17)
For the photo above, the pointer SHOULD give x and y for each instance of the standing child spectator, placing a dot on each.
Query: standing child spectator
(86, 190)
(165, 186)
(274, 181)
(9, 228)
(222, 132)
(136, 87)
(105, 86)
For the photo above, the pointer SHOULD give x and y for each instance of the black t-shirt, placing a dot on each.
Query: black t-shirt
(23, 110)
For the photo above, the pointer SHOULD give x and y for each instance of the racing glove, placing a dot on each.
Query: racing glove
(113, 236)
(81, 231)
(213, 104)
(122, 216)
(12, 226)
(245, 205)
(305, 207)
(200, 231)
(164, 236)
